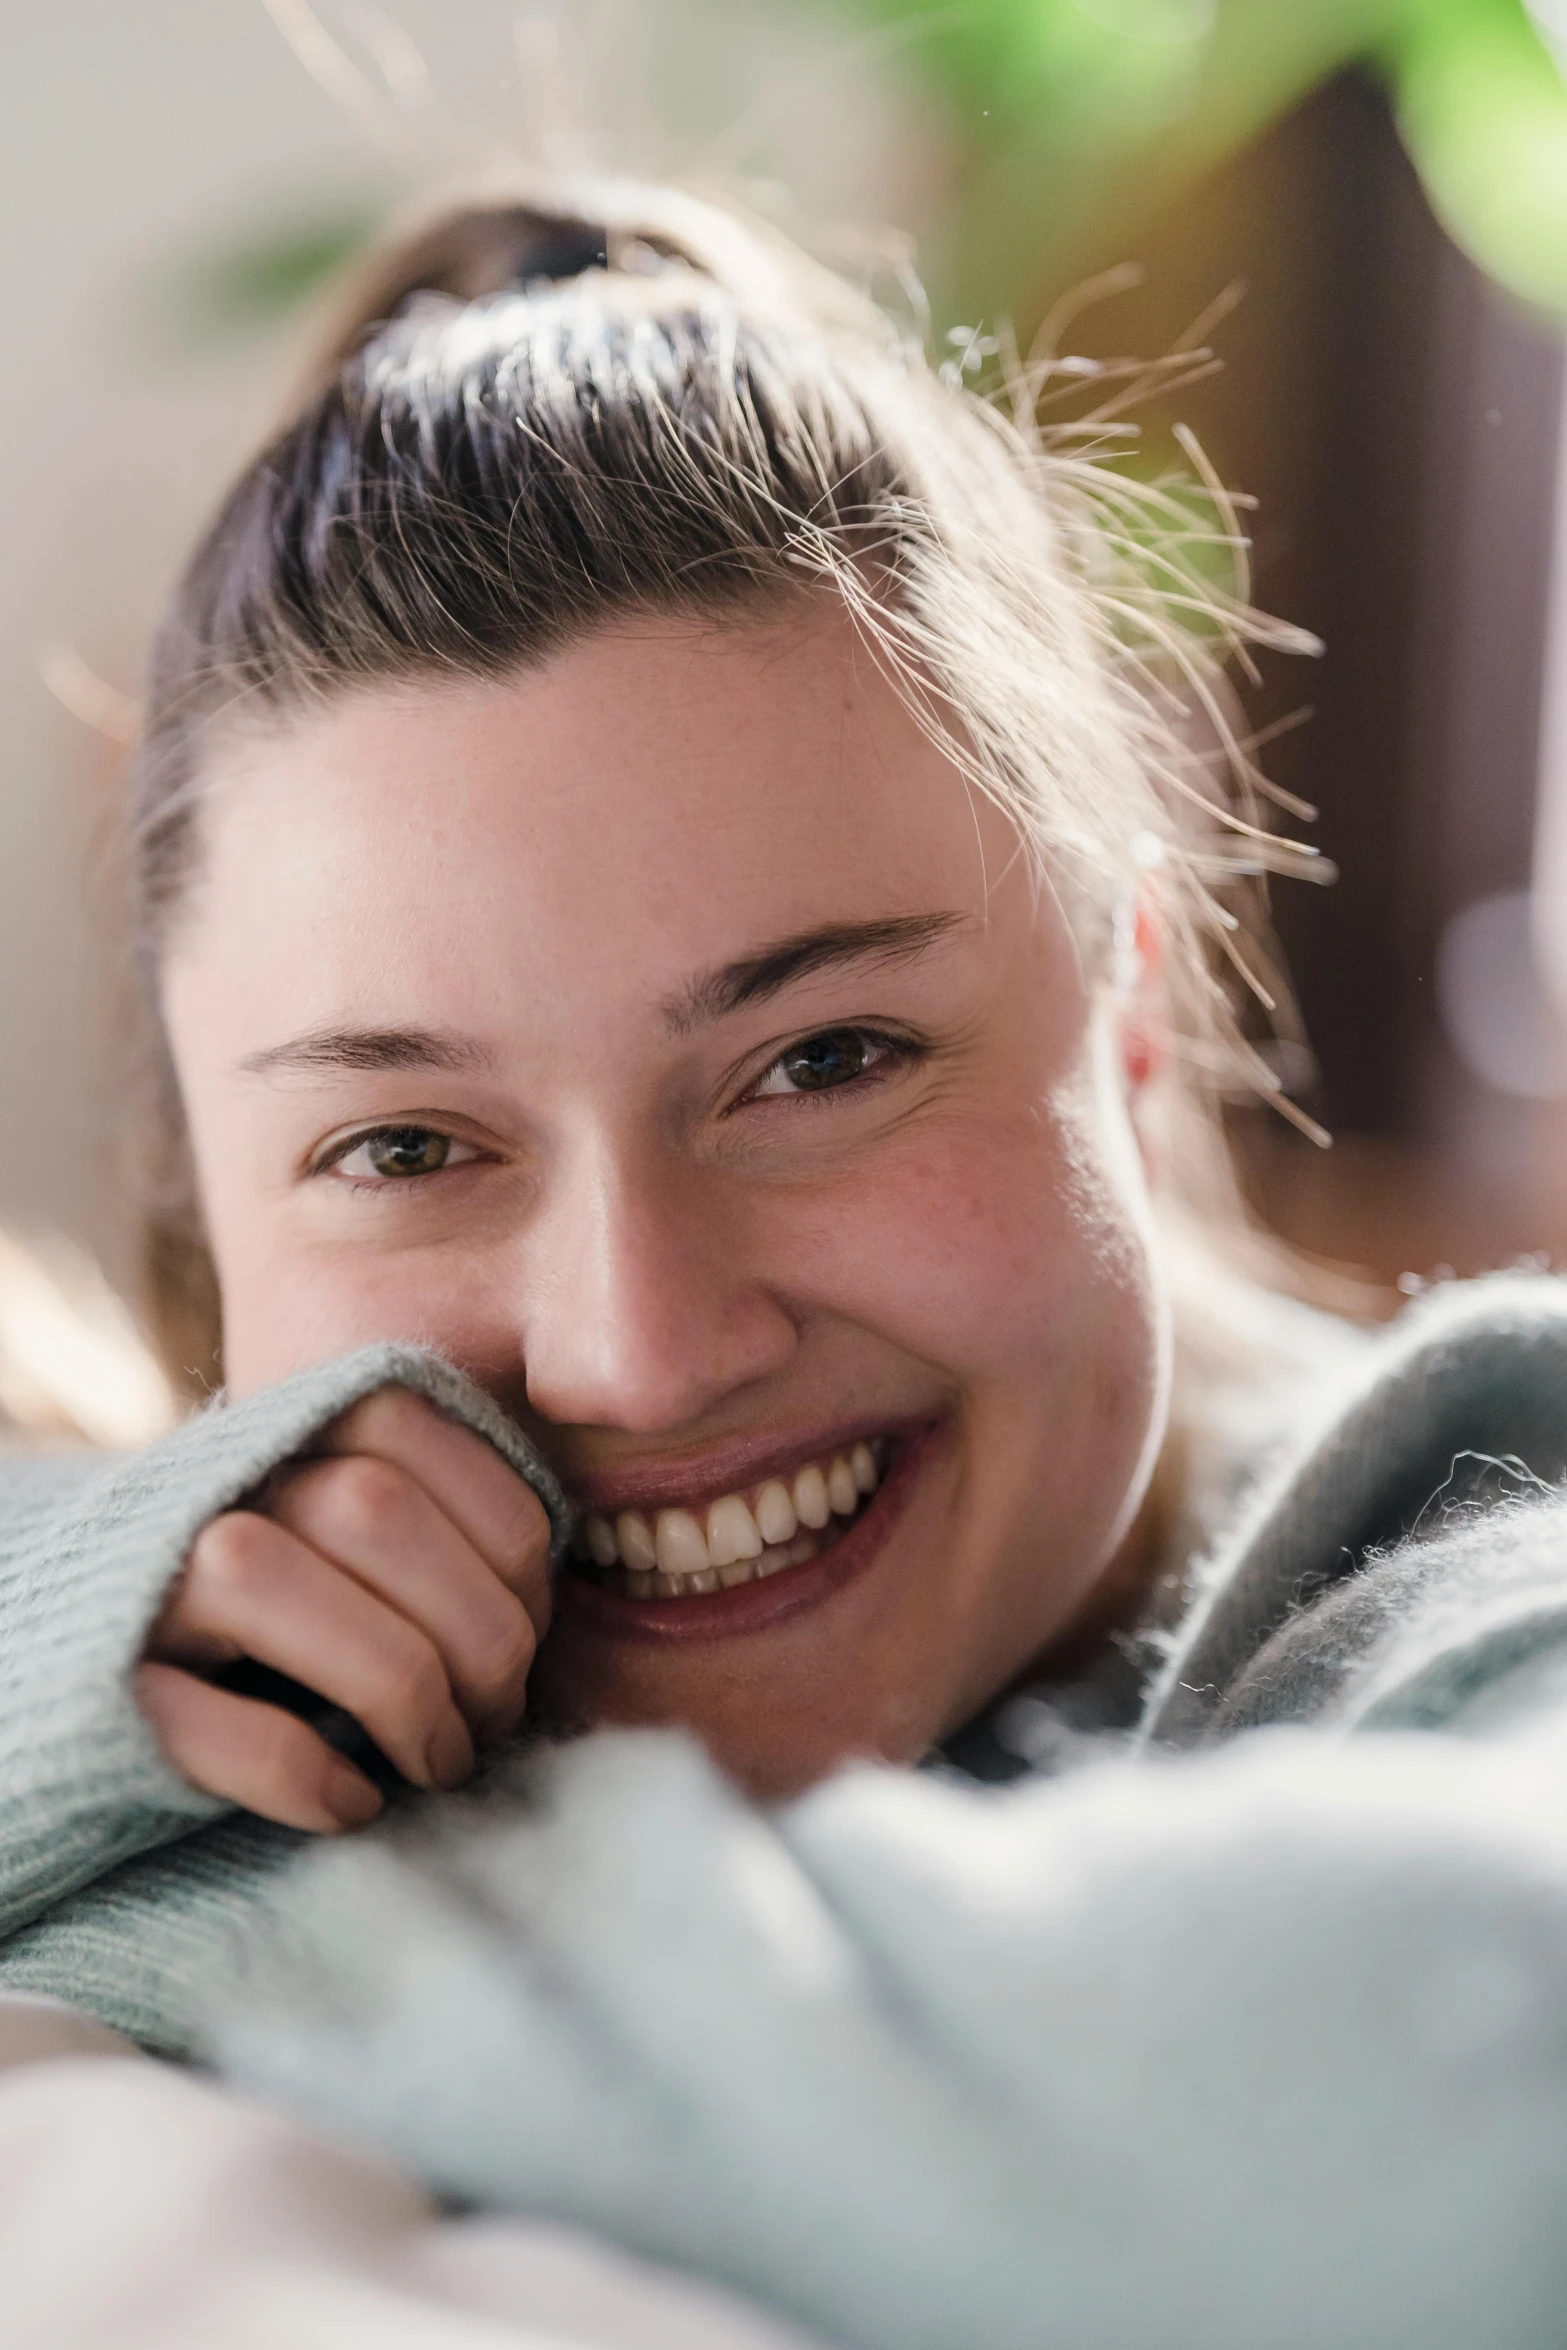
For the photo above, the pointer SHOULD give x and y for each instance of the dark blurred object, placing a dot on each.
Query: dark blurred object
(1405, 1215)
(1398, 419)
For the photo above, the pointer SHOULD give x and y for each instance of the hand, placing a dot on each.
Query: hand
(402, 1573)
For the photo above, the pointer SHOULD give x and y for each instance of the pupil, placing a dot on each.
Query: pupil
(408, 1150)
(832, 1058)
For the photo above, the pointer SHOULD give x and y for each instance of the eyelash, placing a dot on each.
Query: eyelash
(892, 1053)
(332, 1159)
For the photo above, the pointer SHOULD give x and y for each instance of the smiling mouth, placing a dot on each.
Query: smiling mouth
(687, 1553)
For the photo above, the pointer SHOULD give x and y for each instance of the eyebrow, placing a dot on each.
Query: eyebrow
(752, 978)
(712, 996)
(368, 1048)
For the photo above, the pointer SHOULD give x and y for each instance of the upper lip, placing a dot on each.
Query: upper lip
(702, 1476)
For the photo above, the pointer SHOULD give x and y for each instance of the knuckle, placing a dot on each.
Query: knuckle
(380, 1417)
(525, 1538)
(368, 1494)
(414, 1683)
(283, 1751)
(507, 1662)
(226, 1559)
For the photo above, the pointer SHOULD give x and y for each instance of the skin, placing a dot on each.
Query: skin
(648, 1243)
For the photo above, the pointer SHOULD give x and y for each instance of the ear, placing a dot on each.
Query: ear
(1142, 1010)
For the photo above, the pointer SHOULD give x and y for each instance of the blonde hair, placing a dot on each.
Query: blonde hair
(538, 412)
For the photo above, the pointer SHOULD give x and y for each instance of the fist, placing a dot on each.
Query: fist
(401, 1572)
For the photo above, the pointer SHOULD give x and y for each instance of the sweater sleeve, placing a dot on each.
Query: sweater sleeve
(88, 1550)
(1120, 2059)
(1473, 1379)
(1463, 1631)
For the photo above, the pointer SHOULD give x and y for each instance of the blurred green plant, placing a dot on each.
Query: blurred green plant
(1090, 115)
(246, 280)
(265, 274)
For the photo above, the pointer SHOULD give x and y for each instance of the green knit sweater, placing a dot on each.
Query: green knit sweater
(88, 1549)
(120, 1885)
(1263, 2041)
(1258, 2042)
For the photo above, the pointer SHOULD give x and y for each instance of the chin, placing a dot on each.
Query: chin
(772, 1740)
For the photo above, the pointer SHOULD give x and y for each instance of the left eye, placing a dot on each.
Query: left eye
(817, 1064)
(394, 1153)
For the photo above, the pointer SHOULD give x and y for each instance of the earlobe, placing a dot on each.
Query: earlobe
(1139, 1055)
(1139, 968)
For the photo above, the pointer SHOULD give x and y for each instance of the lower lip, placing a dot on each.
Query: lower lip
(752, 1607)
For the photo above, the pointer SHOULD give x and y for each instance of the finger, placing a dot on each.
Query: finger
(253, 1754)
(381, 1527)
(465, 1476)
(256, 1586)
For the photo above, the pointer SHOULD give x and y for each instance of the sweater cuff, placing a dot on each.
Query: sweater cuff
(83, 1576)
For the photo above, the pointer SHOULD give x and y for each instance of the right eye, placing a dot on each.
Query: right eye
(397, 1154)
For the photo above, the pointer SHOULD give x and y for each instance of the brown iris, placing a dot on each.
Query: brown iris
(407, 1150)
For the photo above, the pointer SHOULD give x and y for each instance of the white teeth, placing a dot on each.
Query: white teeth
(811, 1505)
(775, 1512)
(682, 1546)
(731, 1532)
(602, 1546)
(634, 1538)
(730, 1542)
(842, 1491)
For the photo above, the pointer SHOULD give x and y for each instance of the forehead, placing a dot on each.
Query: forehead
(647, 788)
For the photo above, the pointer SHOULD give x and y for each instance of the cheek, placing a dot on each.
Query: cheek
(286, 1306)
(998, 1255)
(281, 1312)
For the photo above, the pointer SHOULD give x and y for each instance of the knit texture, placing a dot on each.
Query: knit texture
(1265, 2039)
(1464, 1404)
(88, 1551)
(1251, 2029)
(1268, 2045)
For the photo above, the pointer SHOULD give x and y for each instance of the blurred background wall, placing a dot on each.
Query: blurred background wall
(1387, 179)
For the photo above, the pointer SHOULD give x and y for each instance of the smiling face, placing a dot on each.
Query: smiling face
(664, 1035)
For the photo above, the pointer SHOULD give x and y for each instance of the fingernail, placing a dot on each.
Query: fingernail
(349, 1796)
(449, 1756)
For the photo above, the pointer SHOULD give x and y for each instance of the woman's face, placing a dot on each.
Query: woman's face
(665, 1035)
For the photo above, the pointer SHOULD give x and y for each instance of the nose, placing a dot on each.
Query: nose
(643, 1312)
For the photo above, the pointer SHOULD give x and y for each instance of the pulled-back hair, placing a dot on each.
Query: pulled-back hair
(538, 416)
